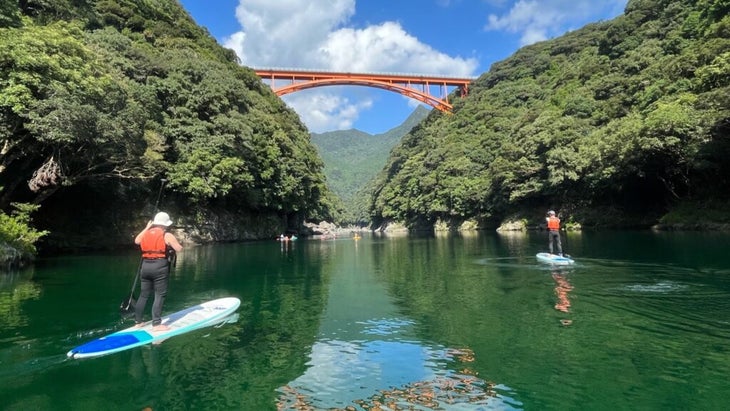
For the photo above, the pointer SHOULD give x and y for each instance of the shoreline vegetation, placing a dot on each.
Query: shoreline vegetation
(621, 124)
(18, 239)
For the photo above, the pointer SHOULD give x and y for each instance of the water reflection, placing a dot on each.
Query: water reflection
(562, 288)
(512, 241)
(16, 288)
(445, 322)
(368, 354)
(286, 246)
(392, 375)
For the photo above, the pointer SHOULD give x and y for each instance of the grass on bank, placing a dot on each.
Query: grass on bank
(693, 213)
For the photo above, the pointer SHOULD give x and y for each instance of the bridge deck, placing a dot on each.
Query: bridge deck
(405, 84)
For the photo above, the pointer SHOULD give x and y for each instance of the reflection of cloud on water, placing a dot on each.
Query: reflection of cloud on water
(364, 375)
(342, 371)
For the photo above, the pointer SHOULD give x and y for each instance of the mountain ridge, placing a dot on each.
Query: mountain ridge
(353, 157)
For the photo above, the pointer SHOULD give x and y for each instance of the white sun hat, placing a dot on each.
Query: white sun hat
(162, 218)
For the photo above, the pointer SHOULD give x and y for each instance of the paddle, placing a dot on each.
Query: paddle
(126, 308)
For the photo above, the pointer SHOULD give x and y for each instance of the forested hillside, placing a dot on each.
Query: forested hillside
(618, 123)
(101, 100)
(352, 158)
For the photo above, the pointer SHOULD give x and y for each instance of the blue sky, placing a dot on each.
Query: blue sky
(435, 37)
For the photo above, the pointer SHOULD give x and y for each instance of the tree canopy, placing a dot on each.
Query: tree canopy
(631, 114)
(129, 92)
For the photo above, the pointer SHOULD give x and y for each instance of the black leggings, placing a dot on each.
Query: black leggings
(554, 237)
(154, 274)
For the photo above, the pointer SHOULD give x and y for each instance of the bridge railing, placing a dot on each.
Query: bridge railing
(405, 84)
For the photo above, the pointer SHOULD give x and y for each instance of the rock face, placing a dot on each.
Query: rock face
(229, 227)
(511, 225)
(190, 226)
(322, 228)
(10, 258)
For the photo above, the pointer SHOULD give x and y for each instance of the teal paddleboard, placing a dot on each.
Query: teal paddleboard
(554, 259)
(202, 315)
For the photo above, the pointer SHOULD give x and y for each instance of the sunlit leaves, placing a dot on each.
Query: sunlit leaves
(17, 232)
(716, 74)
(61, 103)
(36, 58)
(206, 174)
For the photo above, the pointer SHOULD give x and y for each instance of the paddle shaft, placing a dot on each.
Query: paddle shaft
(136, 278)
(159, 195)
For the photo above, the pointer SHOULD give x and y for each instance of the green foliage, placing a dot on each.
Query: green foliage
(697, 214)
(66, 118)
(17, 232)
(352, 158)
(9, 14)
(121, 91)
(716, 74)
(629, 114)
(205, 174)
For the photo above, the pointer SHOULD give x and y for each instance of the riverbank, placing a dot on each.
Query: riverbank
(229, 227)
(711, 215)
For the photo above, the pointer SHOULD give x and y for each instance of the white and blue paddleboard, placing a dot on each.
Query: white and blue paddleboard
(554, 259)
(203, 315)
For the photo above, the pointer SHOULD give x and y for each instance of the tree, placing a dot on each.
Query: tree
(66, 120)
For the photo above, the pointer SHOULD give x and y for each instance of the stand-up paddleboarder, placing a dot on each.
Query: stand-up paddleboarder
(154, 242)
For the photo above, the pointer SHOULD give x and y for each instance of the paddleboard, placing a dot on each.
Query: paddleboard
(554, 259)
(203, 315)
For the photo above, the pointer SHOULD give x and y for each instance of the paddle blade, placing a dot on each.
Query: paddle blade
(126, 308)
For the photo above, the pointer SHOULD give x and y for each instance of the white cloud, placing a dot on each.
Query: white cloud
(540, 20)
(326, 110)
(321, 34)
(317, 34)
(388, 48)
(285, 32)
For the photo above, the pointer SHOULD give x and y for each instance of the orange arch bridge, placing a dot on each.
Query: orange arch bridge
(413, 86)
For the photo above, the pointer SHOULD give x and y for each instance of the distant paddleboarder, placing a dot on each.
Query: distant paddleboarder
(553, 226)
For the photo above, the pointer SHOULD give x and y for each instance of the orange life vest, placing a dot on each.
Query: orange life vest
(153, 243)
(553, 223)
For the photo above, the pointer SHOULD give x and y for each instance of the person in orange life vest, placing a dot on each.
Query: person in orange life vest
(553, 226)
(154, 241)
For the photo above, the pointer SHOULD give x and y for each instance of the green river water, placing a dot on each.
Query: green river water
(446, 322)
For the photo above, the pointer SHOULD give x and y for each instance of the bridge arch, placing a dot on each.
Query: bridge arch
(297, 80)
